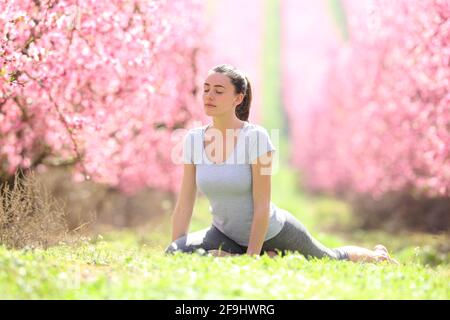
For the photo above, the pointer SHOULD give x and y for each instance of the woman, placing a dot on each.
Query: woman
(230, 160)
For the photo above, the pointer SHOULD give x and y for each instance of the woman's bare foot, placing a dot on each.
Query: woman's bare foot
(359, 254)
(382, 251)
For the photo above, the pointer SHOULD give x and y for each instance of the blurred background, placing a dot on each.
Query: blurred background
(94, 96)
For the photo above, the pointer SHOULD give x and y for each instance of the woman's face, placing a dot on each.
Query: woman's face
(219, 96)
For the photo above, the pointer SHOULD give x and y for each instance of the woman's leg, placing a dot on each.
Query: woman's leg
(295, 237)
(207, 239)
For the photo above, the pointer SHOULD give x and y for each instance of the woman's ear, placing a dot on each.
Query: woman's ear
(239, 99)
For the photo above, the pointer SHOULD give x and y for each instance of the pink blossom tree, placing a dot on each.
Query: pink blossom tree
(381, 118)
(101, 85)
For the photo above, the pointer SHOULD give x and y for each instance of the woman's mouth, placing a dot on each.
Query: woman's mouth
(210, 105)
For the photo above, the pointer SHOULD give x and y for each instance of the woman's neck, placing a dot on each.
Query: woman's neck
(224, 124)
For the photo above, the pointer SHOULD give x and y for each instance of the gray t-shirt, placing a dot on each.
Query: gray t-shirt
(228, 185)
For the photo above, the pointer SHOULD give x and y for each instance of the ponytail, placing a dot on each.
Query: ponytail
(243, 109)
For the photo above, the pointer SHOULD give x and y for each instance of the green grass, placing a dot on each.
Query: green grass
(131, 264)
(122, 266)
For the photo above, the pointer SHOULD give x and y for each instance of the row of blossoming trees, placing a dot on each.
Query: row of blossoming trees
(101, 85)
(379, 120)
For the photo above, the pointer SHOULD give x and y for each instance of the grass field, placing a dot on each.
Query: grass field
(126, 265)
(131, 264)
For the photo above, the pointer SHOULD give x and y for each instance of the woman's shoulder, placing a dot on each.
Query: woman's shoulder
(254, 127)
(254, 130)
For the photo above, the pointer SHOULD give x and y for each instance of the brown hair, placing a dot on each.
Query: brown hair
(241, 85)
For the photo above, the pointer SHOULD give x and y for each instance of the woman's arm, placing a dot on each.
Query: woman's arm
(185, 204)
(262, 175)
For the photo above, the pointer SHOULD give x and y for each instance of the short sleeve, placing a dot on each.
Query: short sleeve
(188, 148)
(260, 144)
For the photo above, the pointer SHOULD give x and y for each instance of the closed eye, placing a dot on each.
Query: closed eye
(216, 92)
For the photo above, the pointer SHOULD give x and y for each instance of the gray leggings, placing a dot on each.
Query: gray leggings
(292, 237)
